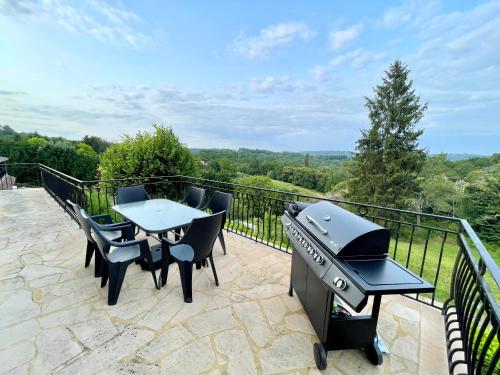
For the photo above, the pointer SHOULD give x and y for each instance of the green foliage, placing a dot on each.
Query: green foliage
(158, 153)
(482, 202)
(98, 144)
(66, 156)
(388, 161)
(263, 182)
(220, 170)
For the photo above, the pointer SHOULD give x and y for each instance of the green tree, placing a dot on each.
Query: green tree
(388, 158)
(306, 160)
(86, 162)
(98, 144)
(158, 153)
(482, 202)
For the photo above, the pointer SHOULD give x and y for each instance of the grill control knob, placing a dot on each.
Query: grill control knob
(319, 259)
(310, 250)
(340, 283)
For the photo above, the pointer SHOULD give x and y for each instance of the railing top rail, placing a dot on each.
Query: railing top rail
(90, 182)
(75, 180)
(397, 210)
(485, 256)
(233, 184)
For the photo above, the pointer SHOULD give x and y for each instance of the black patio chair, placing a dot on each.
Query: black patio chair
(194, 247)
(117, 256)
(194, 197)
(117, 232)
(131, 194)
(220, 202)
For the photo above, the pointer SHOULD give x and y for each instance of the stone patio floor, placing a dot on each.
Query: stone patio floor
(54, 317)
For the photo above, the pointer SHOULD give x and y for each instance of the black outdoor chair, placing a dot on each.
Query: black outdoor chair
(117, 256)
(194, 247)
(131, 194)
(220, 202)
(116, 232)
(194, 197)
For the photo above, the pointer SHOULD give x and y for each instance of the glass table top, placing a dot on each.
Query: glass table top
(158, 215)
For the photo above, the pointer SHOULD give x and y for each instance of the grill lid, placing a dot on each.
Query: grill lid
(342, 232)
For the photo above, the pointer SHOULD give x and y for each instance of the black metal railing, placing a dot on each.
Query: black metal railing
(443, 250)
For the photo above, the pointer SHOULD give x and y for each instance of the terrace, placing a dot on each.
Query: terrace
(54, 316)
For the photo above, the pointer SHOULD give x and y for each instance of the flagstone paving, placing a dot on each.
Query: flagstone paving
(54, 317)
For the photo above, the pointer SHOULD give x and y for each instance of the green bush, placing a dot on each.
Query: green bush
(148, 154)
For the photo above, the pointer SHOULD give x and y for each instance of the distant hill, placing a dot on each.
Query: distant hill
(332, 155)
(458, 157)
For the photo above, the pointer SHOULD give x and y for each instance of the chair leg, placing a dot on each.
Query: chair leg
(105, 273)
(165, 263)
(198, 265)
(210, 257)
(151, 265)
(221, 239)
(186, 272)
(90, 252)
(116, 275)
(99, 263)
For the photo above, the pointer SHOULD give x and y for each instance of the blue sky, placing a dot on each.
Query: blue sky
(278, 75)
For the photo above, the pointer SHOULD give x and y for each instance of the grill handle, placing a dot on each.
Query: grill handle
(316, 224)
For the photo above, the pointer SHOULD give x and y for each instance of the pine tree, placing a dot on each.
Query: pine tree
(388, 158)
(306, 160)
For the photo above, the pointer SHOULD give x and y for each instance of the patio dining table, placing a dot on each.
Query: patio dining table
(158, 216)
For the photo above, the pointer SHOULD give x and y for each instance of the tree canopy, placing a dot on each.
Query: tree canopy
(158, 153)
(388, 158)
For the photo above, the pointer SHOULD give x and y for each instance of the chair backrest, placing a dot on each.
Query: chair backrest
(96, 234)
(202, 234)
(194, 197)
(81, 220)
(130, 194)
(219, 202)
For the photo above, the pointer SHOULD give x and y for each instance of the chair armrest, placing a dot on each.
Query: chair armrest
(104, 217)
(169, 242)
(142, 243)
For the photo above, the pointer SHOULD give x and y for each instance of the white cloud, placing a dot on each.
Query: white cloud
(118, 28)
(271, 38)
(341, 38)
(271, 85)
(116, 14)
(359, 58)
(410, 12)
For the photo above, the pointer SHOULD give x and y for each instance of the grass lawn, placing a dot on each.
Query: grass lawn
(430, 268)
(286, 186)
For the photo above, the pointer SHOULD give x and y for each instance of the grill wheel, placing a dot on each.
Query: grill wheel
(374, 354)
(320, 356)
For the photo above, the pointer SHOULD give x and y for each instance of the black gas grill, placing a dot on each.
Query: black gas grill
(340, 254)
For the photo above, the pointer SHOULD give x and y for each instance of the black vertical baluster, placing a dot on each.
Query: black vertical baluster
(481, 317)
(409, 247)
(425, 251)
(107, 202)
(258, 216)
(439, 266)
(396, 241)
(271, 216)
(276, 217)
(484, 350)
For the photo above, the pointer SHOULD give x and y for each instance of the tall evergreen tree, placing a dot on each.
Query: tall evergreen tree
(388, 158)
